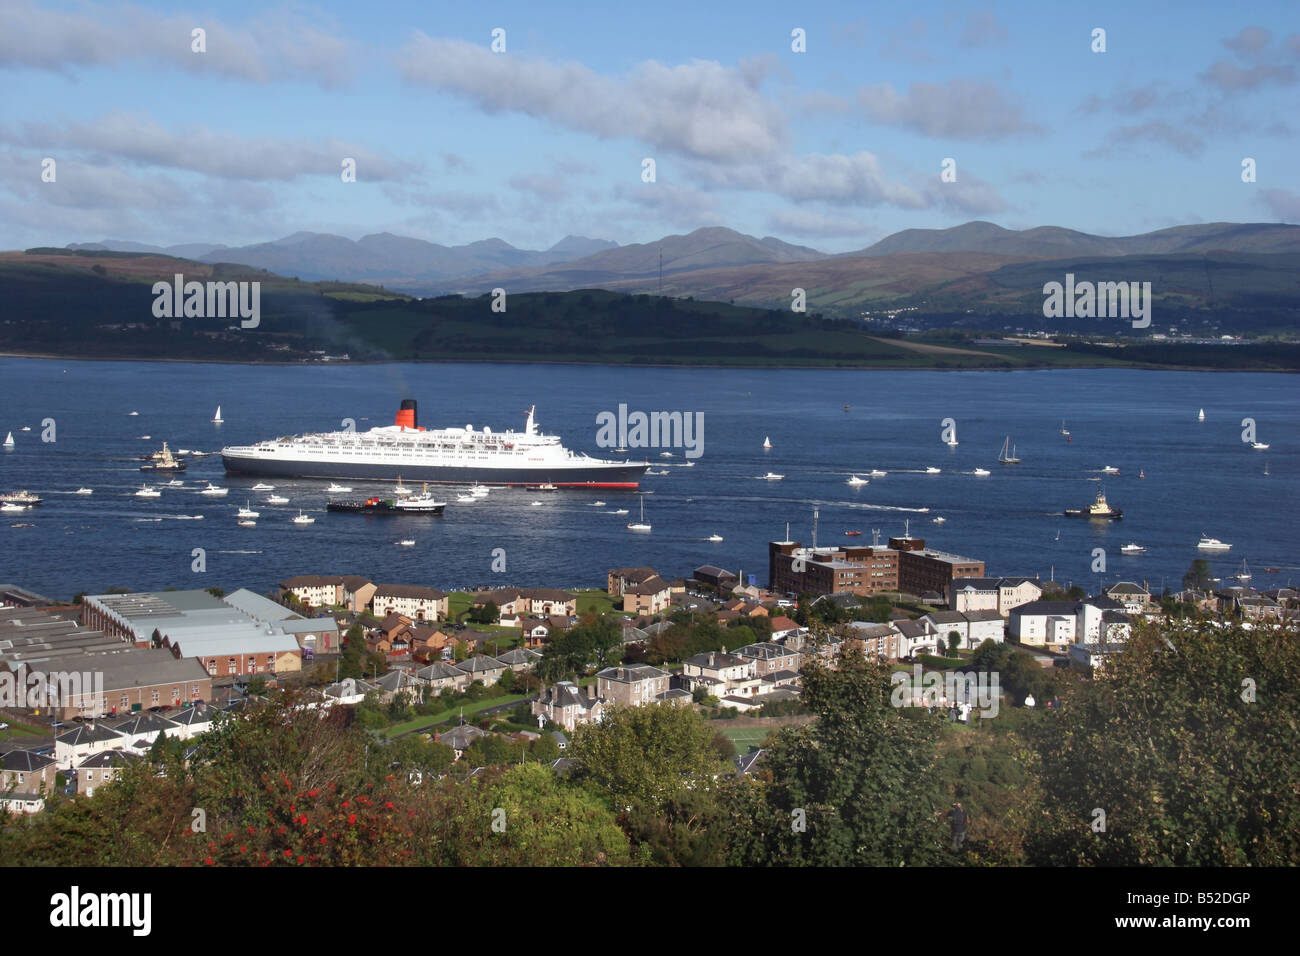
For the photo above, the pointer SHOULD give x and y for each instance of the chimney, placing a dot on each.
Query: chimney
(711, 658)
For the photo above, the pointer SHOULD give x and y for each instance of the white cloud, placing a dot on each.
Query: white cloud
(958, 109)
(698, 109)
(271, 46)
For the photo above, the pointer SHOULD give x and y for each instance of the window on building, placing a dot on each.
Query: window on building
(126, 702)
(230, 666)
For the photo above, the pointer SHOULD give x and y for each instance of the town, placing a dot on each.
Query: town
(530, 665)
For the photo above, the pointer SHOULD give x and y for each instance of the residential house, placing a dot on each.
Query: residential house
(983, 626)
(519, 659)
(650, 596)
(769, 657)
(81, 742)
(536, 631)
(1135, 598)
(783, 627)
(993, 594)
(480, 667)
(916, 637)
(717, 578)
(144, 728)
(1044, 623)
(619, 579)
(631, 685)
(26, 777)
(723, 675)
(459, 738)
(102, 768)
(397, 681)
(1258, 607)
(515, 604)
(415, 601)
(192, 721)
(565, 704)
(877, 641)
(948, 622)
(441, 675)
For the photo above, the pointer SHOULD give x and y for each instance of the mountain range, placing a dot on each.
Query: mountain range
(966, 266)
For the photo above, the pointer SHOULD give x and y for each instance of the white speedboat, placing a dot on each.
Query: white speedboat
(301, 518)
(132, 414)
(665, 454)
(981, 472)
(619, 511)
(855, 481)
(715, 538)
(9, 506)
(932, 470)
(246, 512)
(876, 473)
(1110, 470)
(26, 428)
(246, 523)
(771, 476)
(277, 500)
(334, 489)
(939, 520)
(407, 543)
(1259, 445)
(467, 499)
(262, 486)
(213, 490)
(536, 504)
(1212, 544)
(84, 491)
(479, 491)
(174, 483)
(1133, 548)
(147, 492)
(598, 504)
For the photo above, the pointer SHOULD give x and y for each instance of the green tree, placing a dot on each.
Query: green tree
(257, 684)
(858, 786)
(1186, 740)
(646, 754)
(1198, 576)
(954, 640)
(216, 592)
(545, 749)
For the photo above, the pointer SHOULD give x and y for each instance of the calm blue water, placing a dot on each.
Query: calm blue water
(1200, 477)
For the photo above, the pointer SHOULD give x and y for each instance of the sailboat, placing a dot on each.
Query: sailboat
(767, 443)
(1265, 469)
(1200, 416)
(1244, 574)
(9, 440)
(1008, 454)
(639, 525)
(952, 439)
(1064, 430)
(217, 419)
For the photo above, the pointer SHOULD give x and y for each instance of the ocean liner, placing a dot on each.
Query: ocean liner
(447, 455)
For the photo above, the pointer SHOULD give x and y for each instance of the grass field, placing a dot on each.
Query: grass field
(597, 601)
(469, 710)
(23, 730)
(742, 738)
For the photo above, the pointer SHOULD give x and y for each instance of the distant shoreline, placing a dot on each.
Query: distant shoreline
(881, 367)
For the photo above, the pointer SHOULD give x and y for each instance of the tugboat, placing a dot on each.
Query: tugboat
(163, 461)
(1099, 509)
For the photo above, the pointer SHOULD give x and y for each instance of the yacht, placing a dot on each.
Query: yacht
(1008, 454)
(263, 486)
(771, 476)
(337, 489)
(1243, 575)
(982, 472)
(246, 512)
(715, 538)
(855, 481)
(84, 491)
(277, 500)
(11, 507)
(1200, 416)
(639, 525)
(147, 492)
(1132, 548)
(1212, 544)
(213, 490)
(301, 518)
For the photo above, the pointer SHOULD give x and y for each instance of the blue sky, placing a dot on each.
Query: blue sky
(835, 147)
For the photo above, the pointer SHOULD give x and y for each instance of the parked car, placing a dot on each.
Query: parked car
(56, 724)
(3, 725)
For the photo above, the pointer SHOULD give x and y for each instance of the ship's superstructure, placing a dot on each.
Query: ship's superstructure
(447, 455)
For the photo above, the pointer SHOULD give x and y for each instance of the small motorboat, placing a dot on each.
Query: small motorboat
(1259, 445)
(407, 543)
(619, 511)
(334, 489)
(715, 538)
(262, 486)
(147, 492)
(246, 523)
(771, 476)
(277, 500)
(876, 473)
(1212, 544)
(1109, 470)
(467, 499)
(665, 454)
(174, 483)
(132, 414)
(1133, 548)
(10, 507)
(852, 534)
(246, 512)
(547, 486)
(620, 451)
(84, 491)
(598, 504)
(1141, 473)
(981, 472)
(536, 504)
(855, 481)
(301, 518)
(932, 470)
(26, 428)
